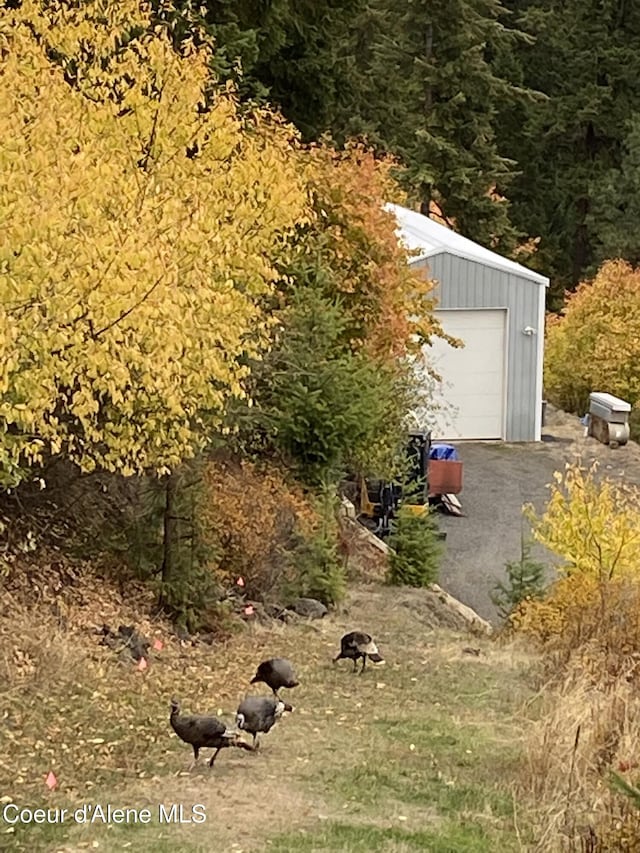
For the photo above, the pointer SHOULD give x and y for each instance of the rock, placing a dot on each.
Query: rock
(470, 617)
(347, 509)
(207, 638)
(138, 645)
(182, 634)
(310, 608)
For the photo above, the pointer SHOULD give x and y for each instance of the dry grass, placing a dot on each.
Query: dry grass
(589, 726)
(583, 733)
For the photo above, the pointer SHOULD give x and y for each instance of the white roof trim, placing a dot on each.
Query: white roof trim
(430, 238)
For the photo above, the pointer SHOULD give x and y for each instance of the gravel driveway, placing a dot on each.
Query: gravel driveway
(499, 478)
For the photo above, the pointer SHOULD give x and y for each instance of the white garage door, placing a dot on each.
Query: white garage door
(472, 393)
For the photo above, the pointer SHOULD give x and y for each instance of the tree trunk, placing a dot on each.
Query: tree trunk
(170, 538)
(581, 247)
(582, 240)
(425, 189)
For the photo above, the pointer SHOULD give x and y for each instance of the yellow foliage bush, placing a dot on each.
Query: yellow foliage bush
(549, 618)
(592, 525)
(588, 626)
(594, 344)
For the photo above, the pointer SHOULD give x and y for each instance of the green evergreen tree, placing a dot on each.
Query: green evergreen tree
(427, 88)
(417, 78)
(321, 407)
(575, 147)
(614, 219)
(294, 54)
(525, 579)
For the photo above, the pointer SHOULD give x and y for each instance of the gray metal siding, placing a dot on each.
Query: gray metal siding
(469, 284)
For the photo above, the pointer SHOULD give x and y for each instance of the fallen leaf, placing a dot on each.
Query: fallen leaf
(240, 581)
(50, 780)
(158, 645)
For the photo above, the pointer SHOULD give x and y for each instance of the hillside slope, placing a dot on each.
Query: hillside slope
(418, 753)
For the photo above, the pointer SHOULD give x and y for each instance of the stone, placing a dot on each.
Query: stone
(310, 608)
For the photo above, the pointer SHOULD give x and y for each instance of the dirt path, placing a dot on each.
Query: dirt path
(419, 753)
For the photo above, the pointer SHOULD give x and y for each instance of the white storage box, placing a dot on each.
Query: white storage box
(611, 409)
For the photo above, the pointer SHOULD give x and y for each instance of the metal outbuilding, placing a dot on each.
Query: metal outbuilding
(492, 387)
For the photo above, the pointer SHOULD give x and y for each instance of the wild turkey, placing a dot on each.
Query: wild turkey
(356, 645)
(258, 714)
(203, 732)
(276, 673)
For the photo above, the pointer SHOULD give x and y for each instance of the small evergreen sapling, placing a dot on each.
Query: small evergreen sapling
(525, 579)
(417, 549)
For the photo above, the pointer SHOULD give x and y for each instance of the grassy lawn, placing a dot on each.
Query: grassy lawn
(420, 753)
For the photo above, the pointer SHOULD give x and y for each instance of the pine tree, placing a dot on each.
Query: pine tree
(427, 90)
(418, 79)
(294, 54)
(575, 147)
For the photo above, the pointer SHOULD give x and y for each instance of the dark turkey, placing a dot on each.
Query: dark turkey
(257, 714)
(356, 645)
(203, 732)
(276, 673)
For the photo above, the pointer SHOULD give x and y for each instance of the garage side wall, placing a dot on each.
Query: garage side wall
(468, 284)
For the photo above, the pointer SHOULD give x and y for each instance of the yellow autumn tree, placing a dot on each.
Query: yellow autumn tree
(142, 216)
(594, 344)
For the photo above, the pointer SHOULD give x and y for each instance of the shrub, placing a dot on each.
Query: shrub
(598, 335)
(253, 518)
(556, 618)
(592, 525)
(417, 549)
(319, 405)
(588, 627)
(525, 580)
(317, 569)
(262, 527)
